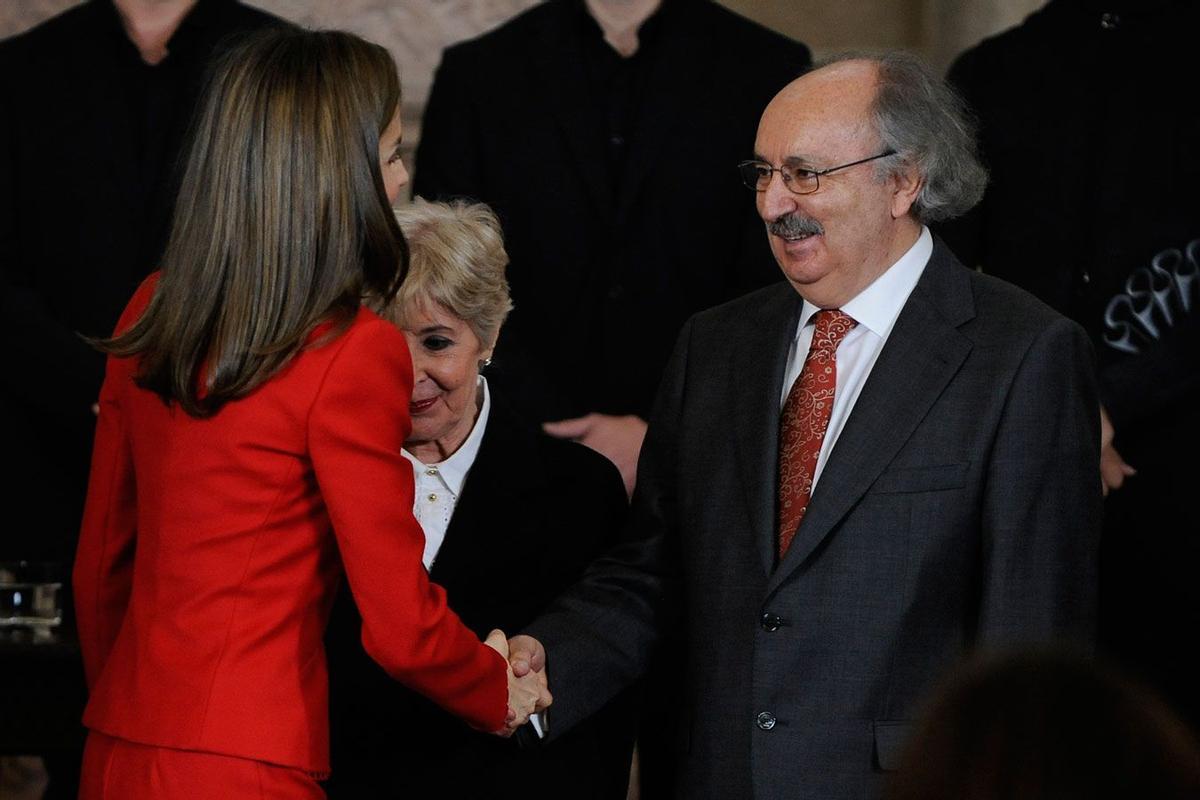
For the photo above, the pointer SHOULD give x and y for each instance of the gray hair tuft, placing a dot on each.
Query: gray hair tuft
(929, 127)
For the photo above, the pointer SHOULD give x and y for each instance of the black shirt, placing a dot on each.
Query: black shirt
(617, 83)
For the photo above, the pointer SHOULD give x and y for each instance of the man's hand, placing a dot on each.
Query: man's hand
(1113, 469)
(619, 439)
(527, 693)
(525, 655)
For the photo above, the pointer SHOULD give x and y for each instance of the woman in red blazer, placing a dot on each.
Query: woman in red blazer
(248, 448)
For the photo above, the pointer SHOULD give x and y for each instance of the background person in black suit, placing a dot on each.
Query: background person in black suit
(603, 135)
(490, 489)
(1094, 206)
(93, 107)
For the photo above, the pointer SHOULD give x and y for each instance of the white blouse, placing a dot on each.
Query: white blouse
(438, 485)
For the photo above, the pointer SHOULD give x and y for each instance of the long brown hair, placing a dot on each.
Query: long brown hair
(282, 221)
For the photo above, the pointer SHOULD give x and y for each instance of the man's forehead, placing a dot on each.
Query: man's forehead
(820, 108)
(810, 135)
(840, 79)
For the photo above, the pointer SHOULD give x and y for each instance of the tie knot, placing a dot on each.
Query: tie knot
(832, 326)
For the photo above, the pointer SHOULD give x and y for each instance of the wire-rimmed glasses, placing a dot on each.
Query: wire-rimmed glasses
(799, 180)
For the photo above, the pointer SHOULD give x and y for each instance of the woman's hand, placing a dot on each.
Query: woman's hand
(526, 695)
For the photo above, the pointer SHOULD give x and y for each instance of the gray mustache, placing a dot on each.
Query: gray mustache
(790, 225)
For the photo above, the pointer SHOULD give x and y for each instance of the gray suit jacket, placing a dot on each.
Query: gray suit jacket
(959, 509)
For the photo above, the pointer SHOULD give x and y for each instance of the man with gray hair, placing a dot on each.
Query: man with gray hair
(852, 478)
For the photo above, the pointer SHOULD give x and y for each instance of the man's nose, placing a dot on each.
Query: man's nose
(776, 200)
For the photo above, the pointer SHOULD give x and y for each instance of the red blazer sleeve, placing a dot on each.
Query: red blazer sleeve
(103, 572)
(357, 427)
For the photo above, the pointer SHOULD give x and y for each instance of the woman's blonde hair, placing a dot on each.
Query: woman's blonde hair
(456, 260)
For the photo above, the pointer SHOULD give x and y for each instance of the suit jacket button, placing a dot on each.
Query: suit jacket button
(766, 720)
(770, 623)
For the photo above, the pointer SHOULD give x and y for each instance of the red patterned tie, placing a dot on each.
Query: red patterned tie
(804, 420)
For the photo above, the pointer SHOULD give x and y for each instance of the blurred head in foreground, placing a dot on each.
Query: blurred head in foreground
(1046, 725)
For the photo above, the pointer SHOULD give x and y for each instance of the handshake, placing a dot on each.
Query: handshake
(528, 693)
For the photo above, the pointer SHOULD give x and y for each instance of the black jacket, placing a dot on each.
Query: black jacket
(1092, 149)
(533, 513)
(1091, 130)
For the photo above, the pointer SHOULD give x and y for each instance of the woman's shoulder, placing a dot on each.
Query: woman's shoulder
(365, 352)
(138, 303)
(366, 333)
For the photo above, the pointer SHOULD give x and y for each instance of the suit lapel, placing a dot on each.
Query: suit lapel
(756, 384)
(673, 87)
(556, 66)
(922, 354)
(493, 488)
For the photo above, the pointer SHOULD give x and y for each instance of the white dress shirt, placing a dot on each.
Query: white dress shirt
(875, 309)
(438, 485)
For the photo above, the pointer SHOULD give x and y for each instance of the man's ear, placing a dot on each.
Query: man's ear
(906, 185)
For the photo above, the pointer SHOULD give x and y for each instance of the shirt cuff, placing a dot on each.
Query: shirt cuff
(540, 723)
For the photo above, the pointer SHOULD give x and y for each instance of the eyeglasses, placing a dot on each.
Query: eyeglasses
(799, 180)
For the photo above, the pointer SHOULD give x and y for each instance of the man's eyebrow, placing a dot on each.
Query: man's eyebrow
(798, 161)
(790, 161)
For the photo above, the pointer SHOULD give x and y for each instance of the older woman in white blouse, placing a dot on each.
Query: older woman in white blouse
(490, 489)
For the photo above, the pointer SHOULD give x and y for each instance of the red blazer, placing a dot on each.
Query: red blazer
(209, 556)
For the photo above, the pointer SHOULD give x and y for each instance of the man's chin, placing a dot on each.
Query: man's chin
(816, 286)
(801, 260)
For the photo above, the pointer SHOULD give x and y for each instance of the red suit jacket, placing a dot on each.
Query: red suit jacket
(209, 556)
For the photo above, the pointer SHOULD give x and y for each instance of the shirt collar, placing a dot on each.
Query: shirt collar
(877, 306)
(648, 31)
(455, 468)
(204, 15)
